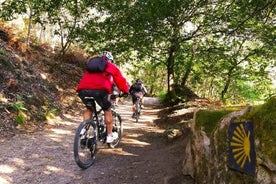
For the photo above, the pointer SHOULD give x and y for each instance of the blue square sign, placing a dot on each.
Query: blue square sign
(241, 147)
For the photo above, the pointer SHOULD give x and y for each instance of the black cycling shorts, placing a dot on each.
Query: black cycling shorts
(101, 97)
(136, 96)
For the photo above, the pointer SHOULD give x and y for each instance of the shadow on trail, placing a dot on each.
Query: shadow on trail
(144, 155)
(46, 157)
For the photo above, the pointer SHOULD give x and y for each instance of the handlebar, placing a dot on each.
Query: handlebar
(113, 97)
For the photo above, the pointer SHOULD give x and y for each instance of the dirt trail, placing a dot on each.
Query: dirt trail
(144, 155)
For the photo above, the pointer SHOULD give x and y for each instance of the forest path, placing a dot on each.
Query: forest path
(46, 157)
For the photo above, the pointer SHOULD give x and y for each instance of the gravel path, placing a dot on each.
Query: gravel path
(46, 157)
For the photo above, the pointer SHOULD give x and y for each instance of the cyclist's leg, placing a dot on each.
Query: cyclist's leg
(101, 97)
(87, 112)
(142, 102)
(134, 99)
(108, 120)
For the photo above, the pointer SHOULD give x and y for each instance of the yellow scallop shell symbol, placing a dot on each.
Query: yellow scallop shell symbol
(241, 146)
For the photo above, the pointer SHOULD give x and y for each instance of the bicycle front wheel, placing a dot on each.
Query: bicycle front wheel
(117, 130)
(85, 145)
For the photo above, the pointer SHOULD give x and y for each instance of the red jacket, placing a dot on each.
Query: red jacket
(104, 80)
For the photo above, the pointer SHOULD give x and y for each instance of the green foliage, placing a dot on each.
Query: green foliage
(264, 118)
(18, 106)
(162, 95)
(220, 50)
(20, 118)
(3, 52)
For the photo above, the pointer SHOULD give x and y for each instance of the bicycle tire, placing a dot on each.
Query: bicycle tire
(137, 112)
(118, 128)
(85, 145)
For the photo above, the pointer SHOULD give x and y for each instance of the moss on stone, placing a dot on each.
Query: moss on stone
(208, 119)
(264, 118)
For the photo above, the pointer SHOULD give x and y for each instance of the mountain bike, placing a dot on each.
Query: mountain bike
(137, 105)
(91, 132)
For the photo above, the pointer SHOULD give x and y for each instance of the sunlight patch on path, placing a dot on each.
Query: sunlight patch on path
(6, 169)
(135, 142)
(46, 157)
(4, 181)
(61, 131)
(117, 151)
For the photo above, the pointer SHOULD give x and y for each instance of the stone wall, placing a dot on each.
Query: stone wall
(207, 158)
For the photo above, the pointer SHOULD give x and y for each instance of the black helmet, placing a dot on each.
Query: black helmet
(139, 81)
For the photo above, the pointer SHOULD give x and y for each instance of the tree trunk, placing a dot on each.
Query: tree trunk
(187, 73)
(188, 69)
(170, 69)
(29, 26)
(228, 81)
(225, 89)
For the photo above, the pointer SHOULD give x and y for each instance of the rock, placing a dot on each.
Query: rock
(152, 101)
(174, 133)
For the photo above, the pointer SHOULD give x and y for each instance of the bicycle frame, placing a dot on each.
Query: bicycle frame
(137, 108)
(89, 133)
(94, 119)
(91, 104)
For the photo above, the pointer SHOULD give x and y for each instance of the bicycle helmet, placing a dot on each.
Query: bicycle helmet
(139, 81)
(108, 55)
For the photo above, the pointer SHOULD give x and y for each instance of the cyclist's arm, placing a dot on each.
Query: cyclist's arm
(118, 77)
(145, 92)
(131, 90)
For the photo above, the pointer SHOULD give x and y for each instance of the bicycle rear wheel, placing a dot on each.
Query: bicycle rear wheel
(137, 112)
(117, 130)
(85, 145)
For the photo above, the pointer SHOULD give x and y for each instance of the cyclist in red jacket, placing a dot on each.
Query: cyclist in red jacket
(99, 86)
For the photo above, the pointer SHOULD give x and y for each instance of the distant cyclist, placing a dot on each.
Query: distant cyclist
(137, 90)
